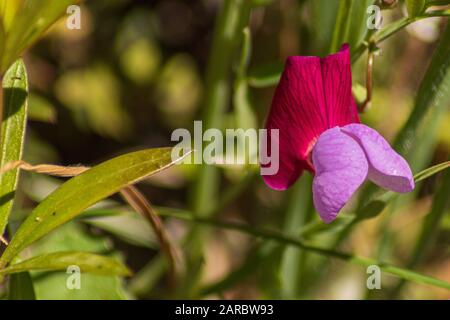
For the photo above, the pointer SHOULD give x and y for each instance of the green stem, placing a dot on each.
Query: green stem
(274, 235)
(393, 28)
(233, 17)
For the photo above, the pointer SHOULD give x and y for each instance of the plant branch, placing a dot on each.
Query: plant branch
(274, 235)
(393, 28)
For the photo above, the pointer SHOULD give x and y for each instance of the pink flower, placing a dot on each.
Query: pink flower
(319, 131)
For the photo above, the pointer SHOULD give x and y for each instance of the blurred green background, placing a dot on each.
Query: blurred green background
(136, 71)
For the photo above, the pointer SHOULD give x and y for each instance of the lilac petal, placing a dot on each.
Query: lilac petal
(341, 167)
(386, 167)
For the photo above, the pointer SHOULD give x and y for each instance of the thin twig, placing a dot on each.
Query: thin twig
(140, 203)
(49, 169)
(130, 193)
(270, 234)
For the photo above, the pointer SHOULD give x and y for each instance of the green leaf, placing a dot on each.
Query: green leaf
(437, 3)
(128, 226)
(21, 287)
(35, 17)
(357, 22)
(376, 206)
(82, 191)
(342, 25)
(433, 95)
(74, 237)
(322, 18)
(87, 262)
(350, 26)
(8, 10)
(292, 260)
(431, 171)
(415, 7)
(15, 96)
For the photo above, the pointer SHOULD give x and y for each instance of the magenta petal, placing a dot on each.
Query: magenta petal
(341, 167)
(337, 84)
(386, 167)
(298, 111)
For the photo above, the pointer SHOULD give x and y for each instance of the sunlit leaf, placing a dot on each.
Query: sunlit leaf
(82, 191)
(87, 262)
(15, 96)
(35, 17)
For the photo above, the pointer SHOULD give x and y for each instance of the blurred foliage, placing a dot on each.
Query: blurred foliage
(137, 70)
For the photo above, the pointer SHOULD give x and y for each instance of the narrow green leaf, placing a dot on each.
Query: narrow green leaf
(376, 206)
(15, 96)
(8, 10)
(2, 42)
(80, 192)
(21, 287)
(322, 16)
(433, 93)
(437, 3)
(431, 171)
(318, 227)
(74, 237)
(358, 22)
(35, 17)
(415, 7)
(87, 262)
(128, 226)
(342, 25)
(292, 261)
